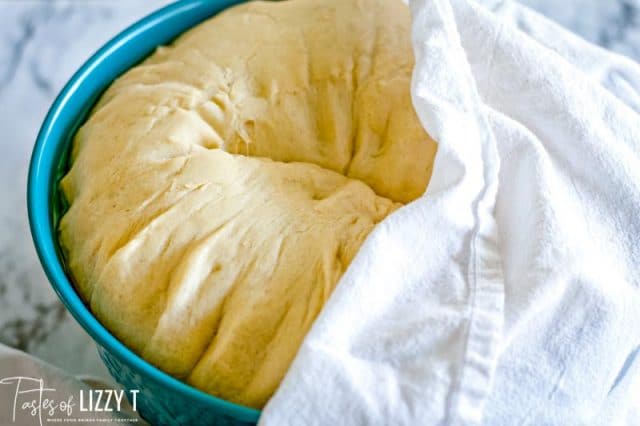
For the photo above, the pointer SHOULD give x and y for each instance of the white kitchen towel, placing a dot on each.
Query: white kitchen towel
(535, 198)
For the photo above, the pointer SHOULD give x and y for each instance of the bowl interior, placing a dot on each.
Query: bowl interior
(49, 162)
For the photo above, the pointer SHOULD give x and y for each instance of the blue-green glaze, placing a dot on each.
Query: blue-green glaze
(162, 399)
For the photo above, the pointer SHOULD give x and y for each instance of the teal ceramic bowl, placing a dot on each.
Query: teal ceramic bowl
(162, 399)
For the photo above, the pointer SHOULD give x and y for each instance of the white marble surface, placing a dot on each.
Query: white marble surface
(41, 44)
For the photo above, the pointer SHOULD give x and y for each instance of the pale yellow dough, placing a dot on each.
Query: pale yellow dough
(220, 189)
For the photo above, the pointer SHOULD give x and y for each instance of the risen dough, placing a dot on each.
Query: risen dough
(219, 190)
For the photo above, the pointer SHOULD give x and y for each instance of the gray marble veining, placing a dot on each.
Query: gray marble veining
(614, 24)
(41, 44)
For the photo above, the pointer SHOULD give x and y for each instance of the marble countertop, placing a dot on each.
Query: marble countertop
(41, 44)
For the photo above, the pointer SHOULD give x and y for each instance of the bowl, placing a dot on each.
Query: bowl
(162, 399)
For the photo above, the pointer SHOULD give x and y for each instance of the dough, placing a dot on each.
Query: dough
(219, 190)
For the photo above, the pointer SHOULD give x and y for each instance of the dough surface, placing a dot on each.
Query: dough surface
(219, 190)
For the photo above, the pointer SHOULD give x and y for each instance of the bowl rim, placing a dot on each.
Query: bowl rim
(45, 160)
